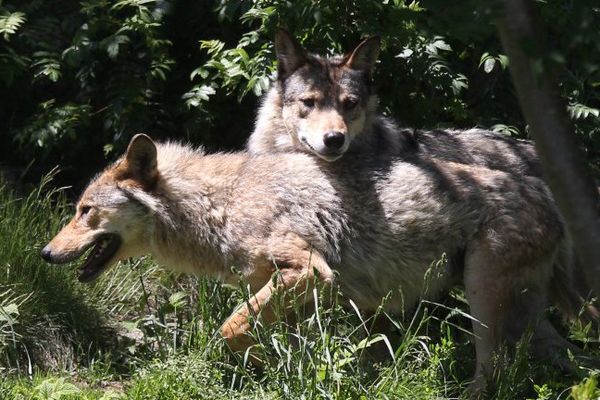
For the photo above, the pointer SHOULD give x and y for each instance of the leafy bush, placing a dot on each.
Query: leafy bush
(83, 77)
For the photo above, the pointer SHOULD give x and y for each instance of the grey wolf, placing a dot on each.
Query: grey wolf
(326, 106)
(379, 221)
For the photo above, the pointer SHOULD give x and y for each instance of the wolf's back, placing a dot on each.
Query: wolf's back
(385, 220)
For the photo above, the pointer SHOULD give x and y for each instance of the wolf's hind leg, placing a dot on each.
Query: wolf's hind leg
(295, 276)
(505, 301)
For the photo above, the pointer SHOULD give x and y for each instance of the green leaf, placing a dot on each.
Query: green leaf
(406, 53)
(440, 43)
(201, 72)
(579, 111)
(488, 65)
(503, 61)
(10, 23)
(177, 299)
(197, 95)
(47, 65)
(112, 43)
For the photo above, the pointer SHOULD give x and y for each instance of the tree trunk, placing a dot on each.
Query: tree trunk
(545, 112)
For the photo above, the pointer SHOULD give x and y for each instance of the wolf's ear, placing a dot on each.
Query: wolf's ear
(290, 54)
(364, 56)
(140, 159)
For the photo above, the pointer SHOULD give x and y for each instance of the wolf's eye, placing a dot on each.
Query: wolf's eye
(350, 103)
(308, 102)
(85, 210)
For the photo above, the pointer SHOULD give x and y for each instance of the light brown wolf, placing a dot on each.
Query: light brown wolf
(327, 106)
(380, 222)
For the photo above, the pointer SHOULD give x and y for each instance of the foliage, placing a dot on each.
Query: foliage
(82, 78)
(181, 377)
(9, 314)
(587, 389)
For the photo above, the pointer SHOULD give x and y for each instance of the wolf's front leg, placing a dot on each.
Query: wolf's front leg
(295, 275)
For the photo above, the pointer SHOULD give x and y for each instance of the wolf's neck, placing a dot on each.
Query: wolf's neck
(194, 192)
(270, 132)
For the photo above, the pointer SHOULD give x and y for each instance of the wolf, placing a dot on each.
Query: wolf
(380, 221)
(327, 107)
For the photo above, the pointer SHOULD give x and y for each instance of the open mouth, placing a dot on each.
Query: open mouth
(104, 248)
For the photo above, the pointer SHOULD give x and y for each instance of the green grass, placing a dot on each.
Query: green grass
(141, 332)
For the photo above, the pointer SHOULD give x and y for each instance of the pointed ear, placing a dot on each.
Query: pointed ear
(290, 54)
(364, 56)
(140, 160)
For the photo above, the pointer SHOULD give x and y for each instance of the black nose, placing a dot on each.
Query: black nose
(46, 254)
(334, 140)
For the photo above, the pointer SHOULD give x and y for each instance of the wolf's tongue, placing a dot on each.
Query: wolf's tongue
(88, 274)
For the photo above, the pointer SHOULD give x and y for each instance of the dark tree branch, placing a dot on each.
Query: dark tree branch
(573, 188)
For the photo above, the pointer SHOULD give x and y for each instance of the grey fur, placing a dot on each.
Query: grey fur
(283, 125)
(282, 120)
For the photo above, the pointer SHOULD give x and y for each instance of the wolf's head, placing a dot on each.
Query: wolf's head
(324, 100)
(109, 219)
